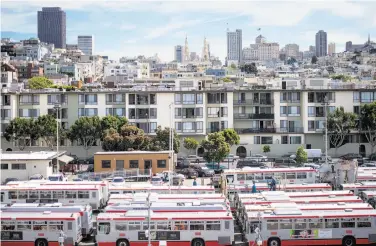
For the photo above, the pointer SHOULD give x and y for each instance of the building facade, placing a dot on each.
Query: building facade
(292, 50)
(86, 44)
(52, 26)
(331, 49)
(235, 45)
(321, 43)
(179, 53)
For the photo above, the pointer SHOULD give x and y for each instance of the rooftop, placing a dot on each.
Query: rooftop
(24, 155)
(132, 152)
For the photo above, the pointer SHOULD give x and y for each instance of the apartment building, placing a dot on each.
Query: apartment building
(289, 114)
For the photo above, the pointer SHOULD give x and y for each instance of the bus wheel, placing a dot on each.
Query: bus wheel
(274, 242)
(122, 242)
(198, 242)
(348, 241)
(41, 242)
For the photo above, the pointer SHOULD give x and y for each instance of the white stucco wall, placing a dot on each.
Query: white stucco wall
(32, 167)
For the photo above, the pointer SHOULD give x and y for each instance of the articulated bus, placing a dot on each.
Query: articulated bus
(85, 212)
(296, 227)
(359, 187)
(114, 189)
(41, 229)
(103, 184)
(176, 207)
(177, 229)
(299, 175)
(67, 195)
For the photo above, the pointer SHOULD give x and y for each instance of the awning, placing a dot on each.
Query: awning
(65, 158)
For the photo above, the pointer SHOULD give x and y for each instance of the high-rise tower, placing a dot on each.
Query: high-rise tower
(205, 51)
(186, 51)
(52, 26)
(321, 43)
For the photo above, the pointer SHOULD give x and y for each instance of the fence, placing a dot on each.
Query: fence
(127, 174)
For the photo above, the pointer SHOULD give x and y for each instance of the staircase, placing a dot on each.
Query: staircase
(239, 238)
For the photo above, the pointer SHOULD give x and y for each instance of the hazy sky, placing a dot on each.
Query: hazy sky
(129, 28)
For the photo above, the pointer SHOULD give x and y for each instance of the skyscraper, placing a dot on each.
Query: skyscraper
(321, 43)
(205, 51)
(331, 49)
(186, 54)
(86, 44)
(234, 46)
(179, 53)
(52, 26)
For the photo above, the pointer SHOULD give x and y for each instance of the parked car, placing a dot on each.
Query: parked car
(182, 163)
(57, 177)
(352, 156)
(36, 177)
(155, 180)
(203, 171)
(7, 180)
(188, 173)
(372, 157)
(194, 158)
(284, 162)
(230, 157)
(214, 166)
(77, 179)
(118, 180)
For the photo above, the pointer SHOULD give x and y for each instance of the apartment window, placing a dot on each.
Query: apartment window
(283, 110)
(311, 125)
(284, 140)
(199, 126)
(265, 110)
(132, 99)
(366, 97)
(88, 99)
(177, 99)
(115, 111)
(256, 140)
(115, 98)
(311, 97)
(133, 164)
(294, 96)
(213, 98)
(213, 112)
(5, 113)
(57, 99)
(356, 96)
(142, 99)
(153, 113)
(356, 109)
(178, 126)
(178, 113)
(294, 110)
(331, 109)
(106, 164)
(153, 126)
(5, 100)
(223, 111)
(223, 97)
(29, 99)
(188, 126)
(311, 111)
(4, 166)
(87, 112)
(161, 164)
(188, 98)
(296, 140)
(153, 99)
(283, 97)
(284, 124)
(19, 166)
(266, 140)
(224, 125)
(199, 99)
(28, 113)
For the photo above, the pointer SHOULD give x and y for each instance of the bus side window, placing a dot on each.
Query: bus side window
(104, 228)
(227, 225)
(69, 226)
(94, 194)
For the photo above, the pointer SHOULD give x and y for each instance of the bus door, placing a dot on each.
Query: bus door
(2, 196)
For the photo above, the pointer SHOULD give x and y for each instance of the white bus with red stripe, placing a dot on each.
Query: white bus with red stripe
(359, 187)
(67, 195)
(167, 207)
(177, 229)
(366, 177)
(40, 229)
(369, 197)
(126, 189)
(103, 184)
(86, 212)
(296, 227)
(299, 175)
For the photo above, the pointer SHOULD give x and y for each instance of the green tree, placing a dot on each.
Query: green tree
(226, 80)
(342, 77)
(216, 148)
(266, 149)
(129, 138)
(367, 123)
(340, 123)
(291, 61)
(161, 140)
(40, 83)
(85, 131)
(22, 131)
(233, 66)
(301, 155)
(46, 129)
(190, 143)
(231, 137)
(249, 68)
(114, 122)
(314, 60)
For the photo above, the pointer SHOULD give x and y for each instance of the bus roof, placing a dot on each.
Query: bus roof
(46, 215)
(48, 182)
(55, 187)
(297, 213)
(302, 199)
(360, 185)
(311, 206)
(269, 170)
(142, 215)
(113, 187)
(299, 194)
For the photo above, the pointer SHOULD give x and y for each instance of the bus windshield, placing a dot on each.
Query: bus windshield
(53, 178)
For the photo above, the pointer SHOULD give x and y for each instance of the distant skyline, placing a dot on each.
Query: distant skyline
(130, 28)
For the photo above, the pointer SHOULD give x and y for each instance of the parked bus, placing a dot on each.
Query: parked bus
(296, 227)
(41, 229)
(103, 184)
(223, 202)
(358, 187)
(85, 212)
(369, 196)
(183, 229)
(366, 177)
(161, 189)
(298, 175)
(67, 195)
(166, 207)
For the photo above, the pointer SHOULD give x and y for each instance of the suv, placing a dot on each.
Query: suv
(284, 162)
(188, 172)
(203, 171)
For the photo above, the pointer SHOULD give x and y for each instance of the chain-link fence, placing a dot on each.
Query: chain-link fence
(127, 174)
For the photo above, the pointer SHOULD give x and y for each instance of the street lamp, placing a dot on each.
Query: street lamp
(326, 103)
(57, 107)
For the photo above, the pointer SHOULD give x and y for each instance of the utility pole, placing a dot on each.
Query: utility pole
(57, 108)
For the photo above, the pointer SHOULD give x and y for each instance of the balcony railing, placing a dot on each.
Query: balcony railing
(290, 130)
(213, 129)
(253, 116)
(269, 130)
(252, 102)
